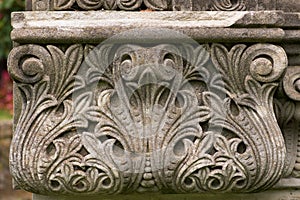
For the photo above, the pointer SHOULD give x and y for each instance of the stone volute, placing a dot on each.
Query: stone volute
(156, 99)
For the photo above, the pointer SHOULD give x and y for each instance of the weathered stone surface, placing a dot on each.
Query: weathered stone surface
(94, 27)
(173, 102)
(143, 148)
(176, 5)
(291, 82)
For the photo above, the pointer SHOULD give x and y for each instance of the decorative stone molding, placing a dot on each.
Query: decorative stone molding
(173, 102)
(160, 5)
(95, 26)
(61, 153)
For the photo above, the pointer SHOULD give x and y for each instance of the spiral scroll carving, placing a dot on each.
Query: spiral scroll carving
(111, 4)
(157, 5)
(31, 61)
(228, 5)
(265, 61)
(291, 82)
(134, 118)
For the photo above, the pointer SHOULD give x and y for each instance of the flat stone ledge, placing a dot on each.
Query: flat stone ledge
(95, 26)
(288, 183)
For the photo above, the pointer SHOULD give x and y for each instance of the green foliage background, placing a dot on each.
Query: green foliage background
(6, 7)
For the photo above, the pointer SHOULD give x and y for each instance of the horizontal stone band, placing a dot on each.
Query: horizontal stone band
(95, 26)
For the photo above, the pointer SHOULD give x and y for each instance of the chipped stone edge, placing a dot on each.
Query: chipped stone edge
(95, 26)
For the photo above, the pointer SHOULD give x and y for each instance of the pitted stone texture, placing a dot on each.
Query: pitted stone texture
(175, 5)
(125, 118)
(69, 140)
(94, 27)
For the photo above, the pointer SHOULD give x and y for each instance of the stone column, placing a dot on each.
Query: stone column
(179, 99)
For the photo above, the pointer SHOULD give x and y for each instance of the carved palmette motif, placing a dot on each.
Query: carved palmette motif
(132, 118)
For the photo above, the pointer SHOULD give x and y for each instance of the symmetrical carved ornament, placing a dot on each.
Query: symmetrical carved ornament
(216, 5)
(158, 5)
(138, 118)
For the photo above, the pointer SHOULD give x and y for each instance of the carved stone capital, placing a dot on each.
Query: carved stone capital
(123, 118)
(201, 100)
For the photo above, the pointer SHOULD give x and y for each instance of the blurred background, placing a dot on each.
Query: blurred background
(6, 101)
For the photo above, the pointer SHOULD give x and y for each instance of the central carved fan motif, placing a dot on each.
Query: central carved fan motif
(143, 118)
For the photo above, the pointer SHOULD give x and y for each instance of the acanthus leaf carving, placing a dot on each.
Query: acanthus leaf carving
(286, 114)
(134, 118)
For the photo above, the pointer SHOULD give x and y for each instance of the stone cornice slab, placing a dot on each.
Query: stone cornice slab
(95, 26)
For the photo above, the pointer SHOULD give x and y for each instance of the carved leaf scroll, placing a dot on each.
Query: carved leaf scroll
(158, 5)
(111, 4)
(132, 118)
(228, 5)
